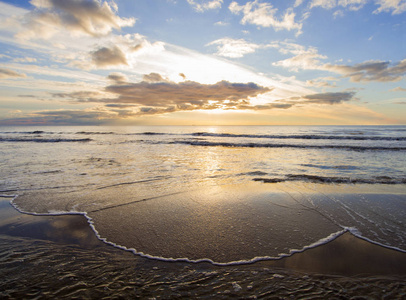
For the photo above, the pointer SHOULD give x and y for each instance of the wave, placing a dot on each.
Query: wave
(95, 133)
(268, 145)
(323, 179)
(302, 137)
(43, 140)
(348, 136)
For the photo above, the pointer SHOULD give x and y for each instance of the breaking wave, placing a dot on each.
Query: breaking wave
(42, 140)
(302, 137)
(275, 145)
(323, 179)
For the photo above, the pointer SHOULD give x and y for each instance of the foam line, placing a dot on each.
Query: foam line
(320, 242)
(355, 232)
(276, 145)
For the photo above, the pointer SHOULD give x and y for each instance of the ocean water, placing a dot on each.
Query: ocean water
(226, 195)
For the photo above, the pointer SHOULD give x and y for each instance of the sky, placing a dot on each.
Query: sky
(202, 62)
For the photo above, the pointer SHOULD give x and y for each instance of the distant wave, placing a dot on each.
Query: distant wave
(302, 137)
(323, 179)
(94, 132)
(43, 140)
(227, 135)
(268, 145)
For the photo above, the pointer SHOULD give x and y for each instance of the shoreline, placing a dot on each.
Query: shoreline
(346, 259)
(87, 228)
(86, 235)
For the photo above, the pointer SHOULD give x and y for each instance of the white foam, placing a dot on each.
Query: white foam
(354, 231)
(320, 242)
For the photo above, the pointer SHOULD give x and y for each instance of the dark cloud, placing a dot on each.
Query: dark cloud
(371, 71)
(92, 17)
(156, 95)
(329, 98)
(63, 117)
(118, 77)
(6, 73)
(154, 77)
(164, 94)
(27, 96)
(265, 106)
(81, 96)
(120, 105)
(105, 56)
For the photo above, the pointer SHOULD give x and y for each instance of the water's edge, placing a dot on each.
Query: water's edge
(352, 230)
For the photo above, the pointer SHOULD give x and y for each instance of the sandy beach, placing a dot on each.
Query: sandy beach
(60, 256)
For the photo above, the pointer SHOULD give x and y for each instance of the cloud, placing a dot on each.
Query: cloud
(160, 96)
(118, 77)
(319, 98)
(114, 105)
(80, 96)
(6, 73)
(232, 48)
(221, 23)
(157, 95)
(154, 77)
(88, 17)
(326, 4)
(329, 98)
(263, 14)
(201, 6)
(298, 3)
(398, 89)
(25, 59)
(166, 93)
(322, 82)
(381, 71)
(105, 57)
(394, 6)
(352, 4)
(310, 59)
(64, 117)
(304, 59)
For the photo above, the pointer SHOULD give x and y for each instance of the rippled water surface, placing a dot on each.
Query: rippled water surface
(218, 194)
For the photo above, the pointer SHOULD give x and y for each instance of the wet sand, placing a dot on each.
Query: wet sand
(60, 256)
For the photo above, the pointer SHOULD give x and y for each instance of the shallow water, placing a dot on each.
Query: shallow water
(219, 194)
(59, 257)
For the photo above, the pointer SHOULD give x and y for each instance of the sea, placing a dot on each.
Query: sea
(222, 195)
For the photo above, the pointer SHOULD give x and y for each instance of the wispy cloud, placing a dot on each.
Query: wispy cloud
(264, 15)
(232, 48)
(398, 89)
(329, 98)
(382, 71)
(310, 59)
(95, 116)
(203, 5)
(394, 6)
(88, 17)
(6, 73)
